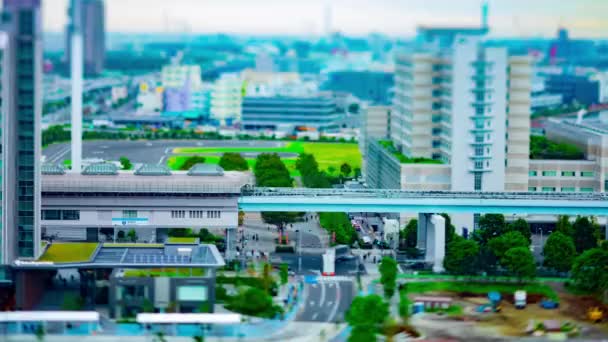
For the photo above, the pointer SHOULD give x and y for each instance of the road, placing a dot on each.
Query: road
(147, 152)
(312, 264)
(327, 300)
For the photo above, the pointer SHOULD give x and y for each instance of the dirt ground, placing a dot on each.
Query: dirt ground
(511, 322)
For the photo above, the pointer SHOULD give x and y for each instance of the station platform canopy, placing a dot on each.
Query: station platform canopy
(188, 318)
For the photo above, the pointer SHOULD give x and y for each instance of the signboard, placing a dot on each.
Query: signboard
(129, 221)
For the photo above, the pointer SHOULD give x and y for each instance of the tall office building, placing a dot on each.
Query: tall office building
(21, 98)
(89, 15)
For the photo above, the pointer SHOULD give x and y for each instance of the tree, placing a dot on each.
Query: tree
(366, 315)
(339, 225)
(270, 171)
(254, 302)
(361, 334)
(409, 234)
(147, 306)
(388, 276)
(191, 161)
(267, 277)
(125, 163)
(241, 218)
(559, 252)
(284, 273)
(404, 305)
(132, 235)
(357, 172)
(461, 256)
(519, 261)
(233, 162)
(501, 244)
(522, 226)
(585, 234)
(491, 225)
(564, 226)
(345, 169)
(450, 230)
(331, 170)
(590, 270)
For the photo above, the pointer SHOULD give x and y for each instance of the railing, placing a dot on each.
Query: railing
(249, 191)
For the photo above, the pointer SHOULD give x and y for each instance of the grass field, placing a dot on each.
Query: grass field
(326, 154)
(69, 252)
(480, 288)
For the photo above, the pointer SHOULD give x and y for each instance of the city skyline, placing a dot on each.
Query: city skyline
(508, 18)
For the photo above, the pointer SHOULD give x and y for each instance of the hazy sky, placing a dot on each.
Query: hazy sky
(584, 18)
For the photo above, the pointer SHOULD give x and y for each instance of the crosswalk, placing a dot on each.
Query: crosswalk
(331, 279)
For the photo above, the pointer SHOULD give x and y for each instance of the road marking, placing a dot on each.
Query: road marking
(315, 315)
(330, 284)
(322, 295)
(314, 286)
(160, 162)
(329, 303)
(334, 311)
(312, 303)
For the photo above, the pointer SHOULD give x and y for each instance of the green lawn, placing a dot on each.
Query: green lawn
(166, 272)
(326, 154)
(189, 240)
(132, 245)
(69, 252)
(480, 288)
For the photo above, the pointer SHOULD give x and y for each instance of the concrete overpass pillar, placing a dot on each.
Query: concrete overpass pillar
(431, 238)
(230, 253)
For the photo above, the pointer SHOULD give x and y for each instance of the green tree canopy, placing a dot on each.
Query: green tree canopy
(340, 225)
(125, 163)
(501, 244)
(191, 161)
(450, 230)
(590, 270)
(490, 226)
(461, 256)
(409, 234)
(254, 302)
(585, 234)
(361, 334)
(233, 162)
(388, 275)
(519, 261)
(559, 252)
(368, 312)
(564, 226)
(522, 226)
(345, 169)
(271, 171)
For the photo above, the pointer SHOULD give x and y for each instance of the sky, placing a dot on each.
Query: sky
(508, 18)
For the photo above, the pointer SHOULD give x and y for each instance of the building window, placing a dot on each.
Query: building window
(179, 214)
(587, 174)
(568, 189)
(478, 181)
(56, 215)
(586, 189)
(531, 188)
(568, 174)
(197, 214)
(129, 213)
(532, 173)
(478, 164)
(549, 173)
(548, 189)
(214, 214)
(51, 215)
(479, 151)
(70, 215)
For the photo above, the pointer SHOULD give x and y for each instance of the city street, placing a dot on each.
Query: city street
(326, 299)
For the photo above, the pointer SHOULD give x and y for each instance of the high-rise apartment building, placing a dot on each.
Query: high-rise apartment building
(89, 17)
(461, 103)
(21, 103)
(467, 106)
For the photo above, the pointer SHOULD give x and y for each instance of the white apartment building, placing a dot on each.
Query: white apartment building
(226, 99)
(466, 105)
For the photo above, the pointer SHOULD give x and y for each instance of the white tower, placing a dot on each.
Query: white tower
(77, 61)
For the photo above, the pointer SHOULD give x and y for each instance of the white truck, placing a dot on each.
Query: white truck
(520, 299)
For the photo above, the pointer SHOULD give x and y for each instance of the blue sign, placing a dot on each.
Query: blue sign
(310, 279)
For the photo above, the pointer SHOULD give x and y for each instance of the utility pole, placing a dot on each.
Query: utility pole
(299, 250)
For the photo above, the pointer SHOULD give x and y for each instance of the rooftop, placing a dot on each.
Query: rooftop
(403, 159)
(132, 182)
(78, 254)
